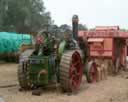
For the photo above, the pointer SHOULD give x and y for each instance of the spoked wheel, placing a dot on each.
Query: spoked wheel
(92, 72)
(71, 70)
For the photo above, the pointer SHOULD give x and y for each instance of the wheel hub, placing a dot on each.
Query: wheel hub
(93, 73)
(75, 71)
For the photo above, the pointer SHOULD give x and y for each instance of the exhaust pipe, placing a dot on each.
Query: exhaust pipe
(75, 20)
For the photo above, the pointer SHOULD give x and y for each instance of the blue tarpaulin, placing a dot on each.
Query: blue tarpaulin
(11, 42)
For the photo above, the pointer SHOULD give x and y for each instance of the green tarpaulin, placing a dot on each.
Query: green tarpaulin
(11, 42)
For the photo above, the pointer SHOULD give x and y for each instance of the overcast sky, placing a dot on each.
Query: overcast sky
(91, 12)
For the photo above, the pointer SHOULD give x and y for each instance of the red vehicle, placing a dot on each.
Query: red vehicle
(107, 46)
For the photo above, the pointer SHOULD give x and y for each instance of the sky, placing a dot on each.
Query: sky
(91, 12)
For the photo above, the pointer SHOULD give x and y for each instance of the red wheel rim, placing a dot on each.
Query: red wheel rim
(93, 73)
(76, 71)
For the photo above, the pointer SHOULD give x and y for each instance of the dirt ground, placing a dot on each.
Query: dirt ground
(114, 89)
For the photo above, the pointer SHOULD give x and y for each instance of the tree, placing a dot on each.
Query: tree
(23, 16)
(54, 30)
(82, 27)
(123, 29)
(65, 29)
(92, 29)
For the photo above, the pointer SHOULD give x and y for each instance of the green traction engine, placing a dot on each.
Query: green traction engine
(53, 62)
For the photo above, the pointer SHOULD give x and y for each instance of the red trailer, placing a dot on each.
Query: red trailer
(107, 46)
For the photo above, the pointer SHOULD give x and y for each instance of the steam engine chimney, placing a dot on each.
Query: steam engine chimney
(75, 20)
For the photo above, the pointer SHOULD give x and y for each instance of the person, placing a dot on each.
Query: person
(83, 44)
(66, 37)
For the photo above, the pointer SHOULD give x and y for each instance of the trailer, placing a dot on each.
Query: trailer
(108, 47)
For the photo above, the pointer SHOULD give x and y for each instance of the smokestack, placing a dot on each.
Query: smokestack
(75, 20)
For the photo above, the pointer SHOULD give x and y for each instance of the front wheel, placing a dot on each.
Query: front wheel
(91, 72)
(23, 75)
(117, 65)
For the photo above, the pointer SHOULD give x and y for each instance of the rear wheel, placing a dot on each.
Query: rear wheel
(71, 70)
(23, 75)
